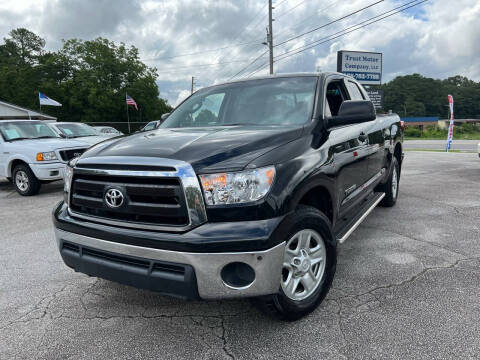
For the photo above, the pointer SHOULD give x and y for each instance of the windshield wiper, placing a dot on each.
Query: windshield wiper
(45, 137)
(21, 138)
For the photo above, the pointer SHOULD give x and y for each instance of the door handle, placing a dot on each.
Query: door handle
(362, 137)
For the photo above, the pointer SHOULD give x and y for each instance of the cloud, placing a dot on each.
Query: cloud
(182, 95)
(439, 38)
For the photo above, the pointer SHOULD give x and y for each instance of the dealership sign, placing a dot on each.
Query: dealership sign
(376, 96)
(365, 67)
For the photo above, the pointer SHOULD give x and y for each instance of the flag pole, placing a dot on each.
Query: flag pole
(128, 117)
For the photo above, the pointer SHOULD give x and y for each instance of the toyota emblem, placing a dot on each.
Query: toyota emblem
(114, 198)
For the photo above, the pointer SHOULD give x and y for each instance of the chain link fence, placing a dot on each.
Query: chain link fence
(122, 126)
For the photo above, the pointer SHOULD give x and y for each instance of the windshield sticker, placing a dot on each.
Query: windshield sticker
(11, 133)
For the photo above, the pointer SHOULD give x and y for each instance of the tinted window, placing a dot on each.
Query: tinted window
(354, 91)
(279, 101)
(335, 96)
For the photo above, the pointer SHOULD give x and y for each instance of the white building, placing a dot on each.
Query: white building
(13, 112)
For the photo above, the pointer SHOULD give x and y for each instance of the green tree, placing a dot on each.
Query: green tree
(90, 78)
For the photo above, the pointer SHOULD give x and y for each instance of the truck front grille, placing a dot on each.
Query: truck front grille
(68, 155)
(157, 201)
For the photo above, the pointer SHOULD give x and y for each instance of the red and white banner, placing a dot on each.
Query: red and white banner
(450, 128)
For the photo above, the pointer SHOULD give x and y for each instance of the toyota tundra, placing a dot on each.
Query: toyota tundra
(244, 190)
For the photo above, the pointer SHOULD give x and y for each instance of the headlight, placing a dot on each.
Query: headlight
(67, 176)
(46, 156)
(240, 187)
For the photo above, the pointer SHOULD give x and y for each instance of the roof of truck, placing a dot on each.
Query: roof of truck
(281, 75)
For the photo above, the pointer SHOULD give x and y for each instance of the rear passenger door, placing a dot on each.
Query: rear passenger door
(349, 145)
(374, 132)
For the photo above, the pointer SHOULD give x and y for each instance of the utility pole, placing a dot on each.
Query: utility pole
(193, 84)
(270, 34)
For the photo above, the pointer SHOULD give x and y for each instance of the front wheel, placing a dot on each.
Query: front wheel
(25, 181)
(308, 267)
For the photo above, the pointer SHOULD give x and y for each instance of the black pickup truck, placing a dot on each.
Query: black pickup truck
(244, 190)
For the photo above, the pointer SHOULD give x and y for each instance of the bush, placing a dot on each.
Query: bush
(412, 131)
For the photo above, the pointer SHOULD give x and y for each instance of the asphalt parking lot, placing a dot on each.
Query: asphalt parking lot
(407, 286)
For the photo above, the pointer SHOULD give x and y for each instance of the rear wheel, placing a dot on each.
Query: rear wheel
(390, 188)
(25, 181)
(308, 267)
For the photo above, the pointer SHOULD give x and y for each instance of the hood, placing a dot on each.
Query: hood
(206, 149)
(52, 144)
(91, 140)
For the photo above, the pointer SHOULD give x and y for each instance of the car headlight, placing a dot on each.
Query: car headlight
(239, 187)
(68, 175)
(46, 156)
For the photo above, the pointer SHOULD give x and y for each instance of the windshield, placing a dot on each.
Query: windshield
(20, 130)
(76, 130)
(279, 101)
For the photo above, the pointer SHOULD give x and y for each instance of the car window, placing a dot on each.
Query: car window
(354, 91)
(149, 126)
(77, 129)
(278, 101)
(336, 95)
(25, 130)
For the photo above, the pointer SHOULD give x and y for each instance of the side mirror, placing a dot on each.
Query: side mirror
(164, 116)
(354, 112)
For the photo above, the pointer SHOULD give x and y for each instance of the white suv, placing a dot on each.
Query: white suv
(32, 153)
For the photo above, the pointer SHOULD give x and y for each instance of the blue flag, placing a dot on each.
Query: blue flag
(45, 100)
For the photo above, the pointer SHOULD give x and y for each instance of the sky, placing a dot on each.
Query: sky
(183, 38)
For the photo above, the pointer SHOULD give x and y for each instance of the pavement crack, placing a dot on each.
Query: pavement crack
(26, 319)
(224, 339)
(409, 280)
(414, 239)
(339, 316)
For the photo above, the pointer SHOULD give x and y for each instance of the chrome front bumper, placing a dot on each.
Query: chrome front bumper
(207, 266)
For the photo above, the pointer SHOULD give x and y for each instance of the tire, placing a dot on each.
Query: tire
(25, 181)
(390, 188)
(290, 305)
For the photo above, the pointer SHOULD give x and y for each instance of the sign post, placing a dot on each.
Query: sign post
(365, 67)
(450, 128)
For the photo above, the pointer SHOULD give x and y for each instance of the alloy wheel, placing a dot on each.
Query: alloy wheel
(303, 265)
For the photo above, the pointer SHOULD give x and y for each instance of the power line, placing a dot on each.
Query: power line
(220, 58)
(302, 22)
(356, 27)
(204, 51)
(221, 48)
(289, 10)
(168, 70)
(341, 32)
(280, 3)
(246, 67)
(312, 30)
(329, 23)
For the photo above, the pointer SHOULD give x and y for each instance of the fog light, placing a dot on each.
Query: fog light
(238, 275)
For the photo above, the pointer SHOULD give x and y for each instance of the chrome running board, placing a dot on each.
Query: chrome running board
(355, 222)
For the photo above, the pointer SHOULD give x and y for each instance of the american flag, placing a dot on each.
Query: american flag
(130, 101)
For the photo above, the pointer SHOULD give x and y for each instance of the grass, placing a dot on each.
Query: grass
(460, 132)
